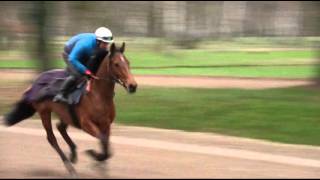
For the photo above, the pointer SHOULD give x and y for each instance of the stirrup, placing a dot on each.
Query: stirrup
(60, 98)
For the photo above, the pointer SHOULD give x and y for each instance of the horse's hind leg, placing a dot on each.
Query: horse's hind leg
(46, 121)
(62, 127)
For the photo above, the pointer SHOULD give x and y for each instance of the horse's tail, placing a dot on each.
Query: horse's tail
(22, 110)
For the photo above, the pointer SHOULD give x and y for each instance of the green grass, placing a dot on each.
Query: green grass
(17, 64)
(207, 58)
(279, 64)
(307, 71)
(27, 64)
(288, 115)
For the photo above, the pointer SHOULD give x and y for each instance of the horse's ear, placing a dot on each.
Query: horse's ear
(122, 47)
(112, 49)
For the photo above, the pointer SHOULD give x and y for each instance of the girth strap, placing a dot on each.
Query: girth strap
(74, 117)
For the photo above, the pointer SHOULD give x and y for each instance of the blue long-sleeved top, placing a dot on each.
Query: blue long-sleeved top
(81, 47)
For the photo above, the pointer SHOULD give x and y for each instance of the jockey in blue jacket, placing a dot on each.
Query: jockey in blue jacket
(77, 53)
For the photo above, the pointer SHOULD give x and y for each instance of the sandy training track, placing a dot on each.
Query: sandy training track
(155, 153)
(176, 81)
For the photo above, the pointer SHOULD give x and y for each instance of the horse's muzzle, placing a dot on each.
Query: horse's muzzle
(132, 88)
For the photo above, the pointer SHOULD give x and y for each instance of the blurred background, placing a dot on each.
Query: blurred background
(244, 39)
(38, 30)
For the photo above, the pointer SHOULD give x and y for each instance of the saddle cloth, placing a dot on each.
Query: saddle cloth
(48, 84)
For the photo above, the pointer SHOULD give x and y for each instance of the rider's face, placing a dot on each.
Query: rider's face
(103, 45)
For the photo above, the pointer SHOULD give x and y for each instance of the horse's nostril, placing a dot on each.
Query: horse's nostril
(132, 88)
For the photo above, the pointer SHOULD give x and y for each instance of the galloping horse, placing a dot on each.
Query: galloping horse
(95, 110)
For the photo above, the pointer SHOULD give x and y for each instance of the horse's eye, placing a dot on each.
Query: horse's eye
(116, 64)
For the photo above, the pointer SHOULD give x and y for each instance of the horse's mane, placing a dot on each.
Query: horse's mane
(94, 64)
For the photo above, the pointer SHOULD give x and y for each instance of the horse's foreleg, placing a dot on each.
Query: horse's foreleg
(62, 127)
(46, 122)
(103, 136)
(104, 140)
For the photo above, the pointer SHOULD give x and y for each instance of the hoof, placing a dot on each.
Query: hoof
(98, 157)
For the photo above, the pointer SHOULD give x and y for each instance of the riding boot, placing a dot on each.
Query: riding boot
(64, 90)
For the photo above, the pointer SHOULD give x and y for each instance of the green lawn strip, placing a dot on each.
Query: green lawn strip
(207, 58)
(307, 71)
(206, 63)
(197, 58)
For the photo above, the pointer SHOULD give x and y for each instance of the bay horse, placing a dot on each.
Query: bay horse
(95, 110)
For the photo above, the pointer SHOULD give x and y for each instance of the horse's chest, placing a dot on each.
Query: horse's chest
(106, 114)
(99, 111)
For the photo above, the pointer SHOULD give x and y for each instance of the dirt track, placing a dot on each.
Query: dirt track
(154, 153)
(176, 81)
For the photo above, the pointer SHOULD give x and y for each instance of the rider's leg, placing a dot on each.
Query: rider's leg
(65, 88)
(69, 82)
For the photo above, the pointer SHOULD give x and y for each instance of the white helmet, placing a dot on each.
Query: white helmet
(104, 34)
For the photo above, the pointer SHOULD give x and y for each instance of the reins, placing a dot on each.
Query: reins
(113, 79)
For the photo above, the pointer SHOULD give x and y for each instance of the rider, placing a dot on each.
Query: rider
(77, 53)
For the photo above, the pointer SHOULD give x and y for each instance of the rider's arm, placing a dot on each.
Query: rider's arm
(75, 55)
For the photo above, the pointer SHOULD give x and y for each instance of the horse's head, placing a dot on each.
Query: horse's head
(119, 68)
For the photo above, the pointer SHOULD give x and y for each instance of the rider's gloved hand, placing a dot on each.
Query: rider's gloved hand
(90, 75)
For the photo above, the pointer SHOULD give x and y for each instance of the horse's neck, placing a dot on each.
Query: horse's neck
(104, 87)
